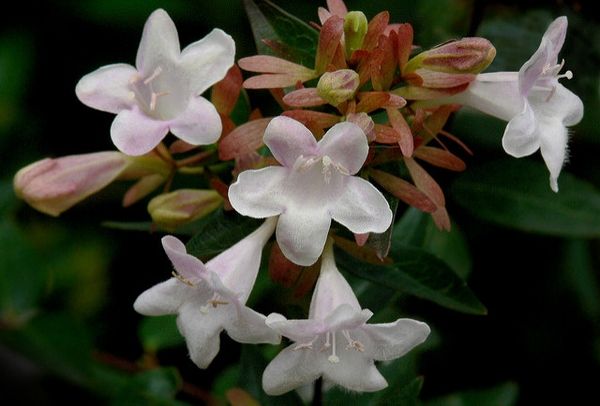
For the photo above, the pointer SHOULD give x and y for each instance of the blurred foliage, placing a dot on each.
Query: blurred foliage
(67, 327)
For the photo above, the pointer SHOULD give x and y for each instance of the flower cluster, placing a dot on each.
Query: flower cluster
(382, 108)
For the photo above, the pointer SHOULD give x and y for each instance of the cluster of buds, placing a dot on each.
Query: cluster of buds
(382, 108)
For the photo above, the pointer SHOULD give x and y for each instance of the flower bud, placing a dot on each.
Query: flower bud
(365, 122)
(55, 185)
(339, 86)
(171, 210)
(355, 29)
(467, 55)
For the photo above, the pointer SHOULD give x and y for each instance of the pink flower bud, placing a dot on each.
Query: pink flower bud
(54, 185)
(182, 206)
(339, 86)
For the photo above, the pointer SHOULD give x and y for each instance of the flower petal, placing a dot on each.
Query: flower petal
(208, 60)
(201, 331)
(134, 133)
(163, 298)
(347, 317)
(185, 264)
(392, 340)
(159, 42)
(555, 34)
(199, 124)
(107, 88)
(520, 136)
(301, 234)
(289, 370)
(346, 144)
(553, 146)
(250, 327)
(289, 139)
(534, 67)
(302, 330)
(258, 193)
(362, 208)
(354, 371)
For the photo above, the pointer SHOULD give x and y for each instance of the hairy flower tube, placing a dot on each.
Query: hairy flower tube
(211, 298)
(313, 186)
(162, 93)
(335, 342)
(537, 107)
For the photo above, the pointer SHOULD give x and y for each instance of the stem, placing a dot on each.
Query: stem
(194, 158)
(318, 395)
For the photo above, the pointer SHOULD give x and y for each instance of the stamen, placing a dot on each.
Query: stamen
(357, 345)
(154, 97)
(183, 279)
(308, 345)
(327, 342)
(154, 75)
(333, 358)
(568, 74)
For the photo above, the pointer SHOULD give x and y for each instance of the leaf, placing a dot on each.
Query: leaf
(515, 193)
(504, 395)
(218, 232)
(381, 242)
(155, 387)
(294, 39)
(418, 273)
(159, 332)
(407, 395)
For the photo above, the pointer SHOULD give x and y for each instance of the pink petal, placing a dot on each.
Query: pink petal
(199, 124)
(304, 98)
(159, 42)
(185, 264)
(208, 60)
(346, 144)
(272, 64)
(107, 88)
(288, 139)
(271, 81)
(257, 193)
(134, 133)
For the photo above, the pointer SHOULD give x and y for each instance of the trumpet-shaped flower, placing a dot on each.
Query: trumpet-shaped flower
(162, 92)
(335, 342)
(209, 298)
(313, 186)
(537, 107)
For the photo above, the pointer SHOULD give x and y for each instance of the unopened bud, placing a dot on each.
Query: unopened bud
(355, 29)
(55, 185)
(171, 210)
(365, 122)
(339, 86)
(468, 55)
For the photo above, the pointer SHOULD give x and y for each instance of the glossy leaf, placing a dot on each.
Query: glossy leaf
(515, 193)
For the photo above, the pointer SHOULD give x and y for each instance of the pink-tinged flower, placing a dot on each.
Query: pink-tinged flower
(537, 107)
(161, 93)
(313, 186)
(335, 342)
(55, 185)
(209, 298)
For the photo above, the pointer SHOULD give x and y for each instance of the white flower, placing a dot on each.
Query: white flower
(313, 186)
(209, 298)
(335, 342)
(537, 107)
(162, 92)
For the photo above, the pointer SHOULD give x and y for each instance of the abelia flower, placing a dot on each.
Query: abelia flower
(209, 298)
(335, 342)
(161, 93)
(313, 186)
(537, 107)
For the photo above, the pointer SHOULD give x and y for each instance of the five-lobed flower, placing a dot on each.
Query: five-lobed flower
(162, 93)
(314, 186)
(209, 298)
(335, 342)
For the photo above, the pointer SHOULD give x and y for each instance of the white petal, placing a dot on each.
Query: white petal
(553, 146)
(208, 60)
(134, 133)
(201, 331)
(362, 208)
(355, 370)
(346, 144)
(302, 330)
(301, 234)
(289, 370)
(521, 136)
(534, 67)
(159, 42)
(163, 298)
(185, 264)
(107, 88)
(392, 340)
(347, 317)
(250, 327)
(258, 193)
(289, 139)
(555, 34)
(562, 104)
(199, 124)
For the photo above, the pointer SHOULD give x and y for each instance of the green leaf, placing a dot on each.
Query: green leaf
(515, 193)
(296, 40)
(418, 273)
(159, 332)
(504, 395)
(154, 387)
(579, 269)
(219, 231)
(417, 229)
